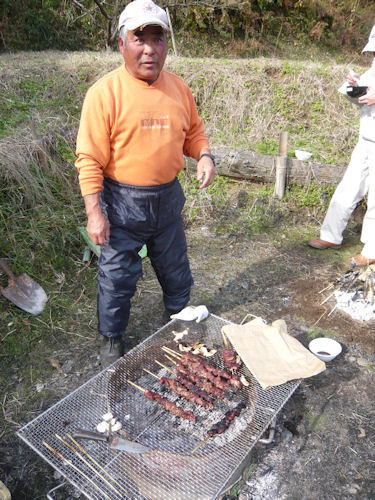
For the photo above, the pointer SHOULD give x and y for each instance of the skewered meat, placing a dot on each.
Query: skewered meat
(231, 360)
(224, 423)
(170, 406)
(177, 387)
(189, 385)
(218, 376)
(206, 385)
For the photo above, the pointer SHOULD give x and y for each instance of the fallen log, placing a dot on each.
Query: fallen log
(255, 167)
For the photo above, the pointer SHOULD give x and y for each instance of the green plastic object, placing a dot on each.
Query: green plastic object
(96, 248)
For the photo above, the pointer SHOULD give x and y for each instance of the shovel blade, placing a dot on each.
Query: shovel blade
(26, 294)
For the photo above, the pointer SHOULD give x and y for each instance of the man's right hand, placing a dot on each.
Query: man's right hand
(353, 78)
(97, 224)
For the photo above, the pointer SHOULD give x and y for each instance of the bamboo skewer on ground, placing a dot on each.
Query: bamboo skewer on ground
(320, 317)
(328, 287)
(97, 464)
(327, 298)
(88, 464)
(68, 462)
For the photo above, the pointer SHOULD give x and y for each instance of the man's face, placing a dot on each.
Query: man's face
(144, 52)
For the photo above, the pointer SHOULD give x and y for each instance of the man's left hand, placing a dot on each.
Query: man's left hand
(368, 98)
(205, 172)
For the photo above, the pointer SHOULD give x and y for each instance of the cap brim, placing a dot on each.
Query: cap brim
(141, 23)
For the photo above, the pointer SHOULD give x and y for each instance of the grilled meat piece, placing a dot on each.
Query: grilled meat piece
(217, 376)
(170, 406)
(224, 423)
(230, 359)
(206, 385)
(176, 386)
(189, 385)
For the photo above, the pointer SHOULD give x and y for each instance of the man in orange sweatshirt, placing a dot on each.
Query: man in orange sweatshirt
(137, 124)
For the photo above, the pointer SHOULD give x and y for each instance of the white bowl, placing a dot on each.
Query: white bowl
(302, 155)
(325, 349)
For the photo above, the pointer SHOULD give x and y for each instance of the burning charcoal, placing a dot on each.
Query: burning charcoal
(224, 423)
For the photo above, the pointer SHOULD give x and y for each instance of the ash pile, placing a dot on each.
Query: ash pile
(354, 293)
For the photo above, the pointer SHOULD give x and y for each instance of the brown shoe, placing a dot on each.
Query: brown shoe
(323, 245)
(361, 260)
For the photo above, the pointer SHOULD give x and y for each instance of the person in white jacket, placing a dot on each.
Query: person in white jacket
(359, 178)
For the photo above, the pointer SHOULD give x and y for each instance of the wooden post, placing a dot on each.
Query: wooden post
(172, 35)
(281, 166)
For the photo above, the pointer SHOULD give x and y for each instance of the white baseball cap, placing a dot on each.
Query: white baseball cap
(370, 47)
(140, 13)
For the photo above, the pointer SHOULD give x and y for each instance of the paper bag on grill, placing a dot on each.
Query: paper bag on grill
(271, 354)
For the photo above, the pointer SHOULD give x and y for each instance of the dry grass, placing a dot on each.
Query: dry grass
(245, 104)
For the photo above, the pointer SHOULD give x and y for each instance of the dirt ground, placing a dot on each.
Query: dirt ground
(324, 442)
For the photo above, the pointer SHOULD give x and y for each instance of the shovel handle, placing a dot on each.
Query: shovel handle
(6, 269)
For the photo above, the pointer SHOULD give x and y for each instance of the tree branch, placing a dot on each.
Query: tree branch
(101, 8)
(88, 12)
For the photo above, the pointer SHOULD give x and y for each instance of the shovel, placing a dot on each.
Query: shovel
(114, 442)
(23, 291)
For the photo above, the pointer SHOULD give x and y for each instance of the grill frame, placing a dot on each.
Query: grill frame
(203, 476)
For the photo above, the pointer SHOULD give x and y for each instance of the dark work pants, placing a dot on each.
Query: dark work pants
(148, 215)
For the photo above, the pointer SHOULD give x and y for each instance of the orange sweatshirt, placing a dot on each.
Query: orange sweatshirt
(137, 133)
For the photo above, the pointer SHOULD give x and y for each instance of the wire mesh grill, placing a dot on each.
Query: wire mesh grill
(171, 471)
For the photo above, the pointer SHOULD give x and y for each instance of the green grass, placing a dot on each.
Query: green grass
(319, 332)
(309, 196)
(245, 104)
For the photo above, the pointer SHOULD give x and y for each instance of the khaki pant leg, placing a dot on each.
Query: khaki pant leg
(348, 194)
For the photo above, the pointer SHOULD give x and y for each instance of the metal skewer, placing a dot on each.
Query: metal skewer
(68, 462)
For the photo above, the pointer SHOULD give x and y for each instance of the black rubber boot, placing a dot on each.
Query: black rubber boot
(110, 350)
